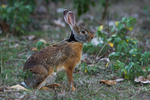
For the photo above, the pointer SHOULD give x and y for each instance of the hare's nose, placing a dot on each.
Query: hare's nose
(92, 37)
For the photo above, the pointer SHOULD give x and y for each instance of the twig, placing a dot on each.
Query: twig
(99, 52)
(17, 59)
(19, 42)
(64, 85)
(5, 83)
(11, 91)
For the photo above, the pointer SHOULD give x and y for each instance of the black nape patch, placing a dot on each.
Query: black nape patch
(71, 39)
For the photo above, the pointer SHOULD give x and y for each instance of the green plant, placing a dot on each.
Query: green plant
(82, 6)
(127, 57)
(25, 74)
(95, 49)
(39, 45)
(89, 69)
(145, 58)
(17, 15)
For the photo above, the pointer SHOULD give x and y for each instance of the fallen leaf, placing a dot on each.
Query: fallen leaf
(142, 79)
(148, 77)
(18, 87)
(119, 79)
(31, 37)
(147, 81)
(108, 82)
(42, 40)
(139, 79)
(34, 49)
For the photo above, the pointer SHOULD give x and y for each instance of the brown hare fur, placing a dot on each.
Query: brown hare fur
(63, 55)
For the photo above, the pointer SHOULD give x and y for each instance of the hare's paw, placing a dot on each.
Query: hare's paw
(45, 88)
(73, 88)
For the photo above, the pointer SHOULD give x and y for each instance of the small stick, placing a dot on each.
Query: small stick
(99, 52)
(17, 59)
(64, 85)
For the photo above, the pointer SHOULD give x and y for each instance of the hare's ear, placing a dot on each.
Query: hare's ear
(71, 19)
(65, 15)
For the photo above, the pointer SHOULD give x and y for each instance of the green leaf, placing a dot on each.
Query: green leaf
(124, 19)
(39, 45)
(112, 30)
(108, 40)
(130, 65)
(147, 69)
(119, 26)
(119, 65)
(114, 55)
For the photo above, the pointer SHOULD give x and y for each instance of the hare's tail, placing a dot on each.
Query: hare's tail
(23, 84)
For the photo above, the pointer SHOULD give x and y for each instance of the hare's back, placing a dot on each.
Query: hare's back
(50, 56)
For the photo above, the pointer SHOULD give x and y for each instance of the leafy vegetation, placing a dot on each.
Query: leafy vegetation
(83, 6)
(127, 58)
(17, 14)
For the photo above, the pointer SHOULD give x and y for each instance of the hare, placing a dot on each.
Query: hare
(63, 55)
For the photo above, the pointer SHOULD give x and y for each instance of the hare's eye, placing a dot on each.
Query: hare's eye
(83, 32)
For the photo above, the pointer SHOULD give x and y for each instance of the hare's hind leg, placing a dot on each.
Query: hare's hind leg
(38, 74)
(34, 80)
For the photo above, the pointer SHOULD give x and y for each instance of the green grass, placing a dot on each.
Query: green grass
(87, 85)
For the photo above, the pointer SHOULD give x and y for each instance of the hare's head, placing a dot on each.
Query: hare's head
(80, 34)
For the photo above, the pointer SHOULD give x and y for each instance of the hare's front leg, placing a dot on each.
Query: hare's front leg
(69, 72)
